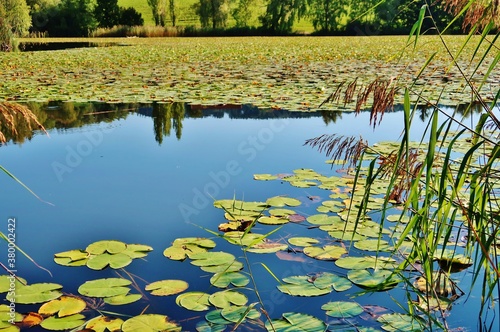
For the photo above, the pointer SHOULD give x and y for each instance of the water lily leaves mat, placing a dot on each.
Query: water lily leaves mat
(289, 73)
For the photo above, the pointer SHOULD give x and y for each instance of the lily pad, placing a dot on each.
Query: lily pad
(167, 287)
(35, 293)
(8, 282)
(293, 321)
(342, 309)
(228, 298)
(137, 250)
(331, 252)
(401, 322)
(195, 301)
(302, 286)
(114, 261)
(264, 177)
(280, 201)
(122, 299)
(106, 287)
(104, 324)
(71, 258)
(63, 323)
(149, 323)
(302, 241)
(185, 247)
(358, 263)
(372, 245)
(379, 279)
(63, 306)
(239, 313)
(110, 246)
(216, 258)
(224, 279)
(338, 283)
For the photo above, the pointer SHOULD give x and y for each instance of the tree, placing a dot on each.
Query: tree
(131, 17)
(159, 10)
(281, 14)
(14, 21)
(327, 15)
(172, 11)
(212, 13)
(74, 18)
(107, 13)
(243, 12)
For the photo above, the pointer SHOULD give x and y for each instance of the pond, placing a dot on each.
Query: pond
(149, 174)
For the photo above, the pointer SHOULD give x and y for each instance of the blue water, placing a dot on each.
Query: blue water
(115, 181)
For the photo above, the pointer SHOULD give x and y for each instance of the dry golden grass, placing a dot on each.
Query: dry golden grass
(11, 114)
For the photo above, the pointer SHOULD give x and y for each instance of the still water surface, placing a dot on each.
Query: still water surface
(134, 179)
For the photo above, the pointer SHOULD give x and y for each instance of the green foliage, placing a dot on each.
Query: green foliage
(212, 13)
(282, 14)
(107, 13)
(72, 18)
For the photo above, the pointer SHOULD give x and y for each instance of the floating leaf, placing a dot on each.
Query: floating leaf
(380, 279)
(224, 279)
(35, 293)
(111, 246)
(401, 322)
(185, 247)
(342, 309)
(122, 299)
(302, 241)
(272, 220)
(281, 212)
(204, 326)
(280, 201)
(231, 267)
(104, 324)
(63, 323)
(8, 283)
(29, 320)
(237, 314)
(293, 321)
(5, 316)
(195, 301)
(215, 317)
(149, 323)
(225, 299)
(359, 263)
(105, 287)
(338, 283)
(167, 287)
(71, 258)
(137, 250)
(372, 245)
(267, 246)
(302, 286)
(114, 261)
(212, 258)
(326, 253)
(264, 177)
(63, 306)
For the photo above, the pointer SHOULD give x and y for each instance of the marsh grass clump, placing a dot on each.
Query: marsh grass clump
(15, 116)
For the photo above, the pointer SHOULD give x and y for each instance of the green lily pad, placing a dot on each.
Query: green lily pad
(7, 280)
(149, 323)
(137, 250)
(281, 212)
(111, 246)
(302, 241)
(216, 258)
(372, 245)
(63, 306)
(264, 177)
(401, 322)
(195, 301)
(230, 267)
(104, 324)
(326, 253)
(236, 313)
(167, 287)
(185, 247)
(106, 287)
(122, 299)
(5, 317)
(215, 317)
(267, 246)
(224, 279)
(114, 261)
(35, 293)
(63, 323)
(225, 299)
(293, 321)
(280, 201)
(359, 263)
(342, 309)
(204, 326)
(71, 257)
(338, 283)
(272, 220)
(302, 286)
(380, 279)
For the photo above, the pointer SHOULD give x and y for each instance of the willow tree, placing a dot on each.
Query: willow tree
(15, 21)
(280, 15)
